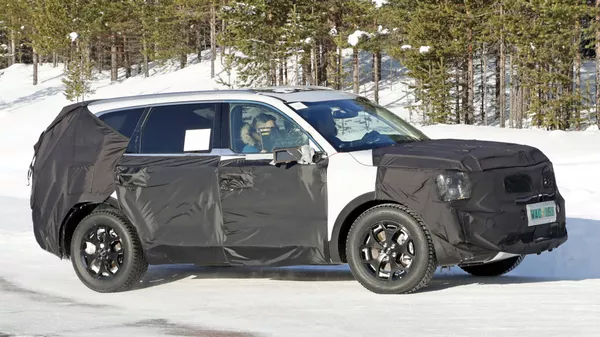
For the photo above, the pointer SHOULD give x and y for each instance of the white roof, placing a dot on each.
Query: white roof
(286, 94)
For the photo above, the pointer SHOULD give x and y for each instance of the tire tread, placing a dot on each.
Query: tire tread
(431, 260)
(139, 263)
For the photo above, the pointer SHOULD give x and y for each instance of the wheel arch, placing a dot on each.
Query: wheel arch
(344, 220)
(74, 217)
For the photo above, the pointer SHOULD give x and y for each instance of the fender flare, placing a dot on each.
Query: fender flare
(108, 202)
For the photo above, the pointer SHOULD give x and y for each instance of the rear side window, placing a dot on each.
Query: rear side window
(123, 121)
(175, 129)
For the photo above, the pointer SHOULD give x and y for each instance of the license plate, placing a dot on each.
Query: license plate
(541, 213)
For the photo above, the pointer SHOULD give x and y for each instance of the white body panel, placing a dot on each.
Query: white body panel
(347, 179)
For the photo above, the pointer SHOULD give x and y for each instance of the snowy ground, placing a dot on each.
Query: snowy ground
(554, 294)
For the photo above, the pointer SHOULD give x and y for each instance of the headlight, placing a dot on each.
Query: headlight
(453, 186)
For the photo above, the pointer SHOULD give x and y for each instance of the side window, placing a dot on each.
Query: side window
(123, 121)
(175, 129)
(255, 128)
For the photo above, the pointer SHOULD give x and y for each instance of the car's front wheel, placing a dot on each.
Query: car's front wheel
(495, 268)
(106, 252)
(390, 250)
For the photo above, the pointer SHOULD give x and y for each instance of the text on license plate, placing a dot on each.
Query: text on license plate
(541, 213)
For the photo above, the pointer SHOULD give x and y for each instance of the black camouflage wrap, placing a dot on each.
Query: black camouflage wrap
(492, 220)
(73, 164)
(274, 215)
(193, 208)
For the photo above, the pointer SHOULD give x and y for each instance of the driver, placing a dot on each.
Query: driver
(256, 136)
(321, 118)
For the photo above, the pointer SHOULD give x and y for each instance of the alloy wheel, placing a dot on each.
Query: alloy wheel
(102, 252)
(387, 250)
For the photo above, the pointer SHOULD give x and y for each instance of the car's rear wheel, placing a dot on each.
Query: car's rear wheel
(390, 250)
(106, 252)
(495, 268)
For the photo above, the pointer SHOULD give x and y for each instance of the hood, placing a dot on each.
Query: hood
(455, 154)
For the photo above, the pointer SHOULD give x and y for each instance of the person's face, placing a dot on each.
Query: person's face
(260, 126)
(269, 124)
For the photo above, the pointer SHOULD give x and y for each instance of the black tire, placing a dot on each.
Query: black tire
(495, 268)
(366, 231)
(126, 253)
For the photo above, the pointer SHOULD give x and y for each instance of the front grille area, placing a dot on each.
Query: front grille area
(518, 183)
(530, 181)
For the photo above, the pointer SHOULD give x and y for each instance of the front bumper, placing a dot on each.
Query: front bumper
(495, 221)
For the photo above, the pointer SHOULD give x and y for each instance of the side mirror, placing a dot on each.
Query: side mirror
(301, 155)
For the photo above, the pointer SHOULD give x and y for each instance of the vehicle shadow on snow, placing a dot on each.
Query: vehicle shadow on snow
(448, 281)
(573, 261)
(158, 275)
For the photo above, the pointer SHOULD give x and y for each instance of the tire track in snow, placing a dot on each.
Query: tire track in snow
(52, 305)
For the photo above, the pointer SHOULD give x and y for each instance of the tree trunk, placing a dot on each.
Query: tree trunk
(183, 54)
(577, 79)
(297, 70)
(100, 51)
(285, 72)
(470, 86)
(569, 108)
(521, 105)
(199, 42)
(497, 85)
(470, 77)
(502, 89)
(87, 59)
(378, 58)
(512, 84)
(377, 72)
(483, 85)
(54, 60)
(356, 69)
(35, 67)
(182, 60)
(324, 62)
(501, 79)
(315, 65)
(598, 67)
(13, 48)
(458, 95)
(145, 56)
(281, 77)
(213, 38)
(114, 75)
(340, 68)
(307, 66)
(223, 27)
(464, 78)
(126, 57)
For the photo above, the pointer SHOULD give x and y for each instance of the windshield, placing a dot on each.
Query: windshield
(357, 124)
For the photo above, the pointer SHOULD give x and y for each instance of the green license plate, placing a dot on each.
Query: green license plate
(541, 213)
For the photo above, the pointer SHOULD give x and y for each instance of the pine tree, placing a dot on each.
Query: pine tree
(77, 79)
(255, 29)
(14, 16)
